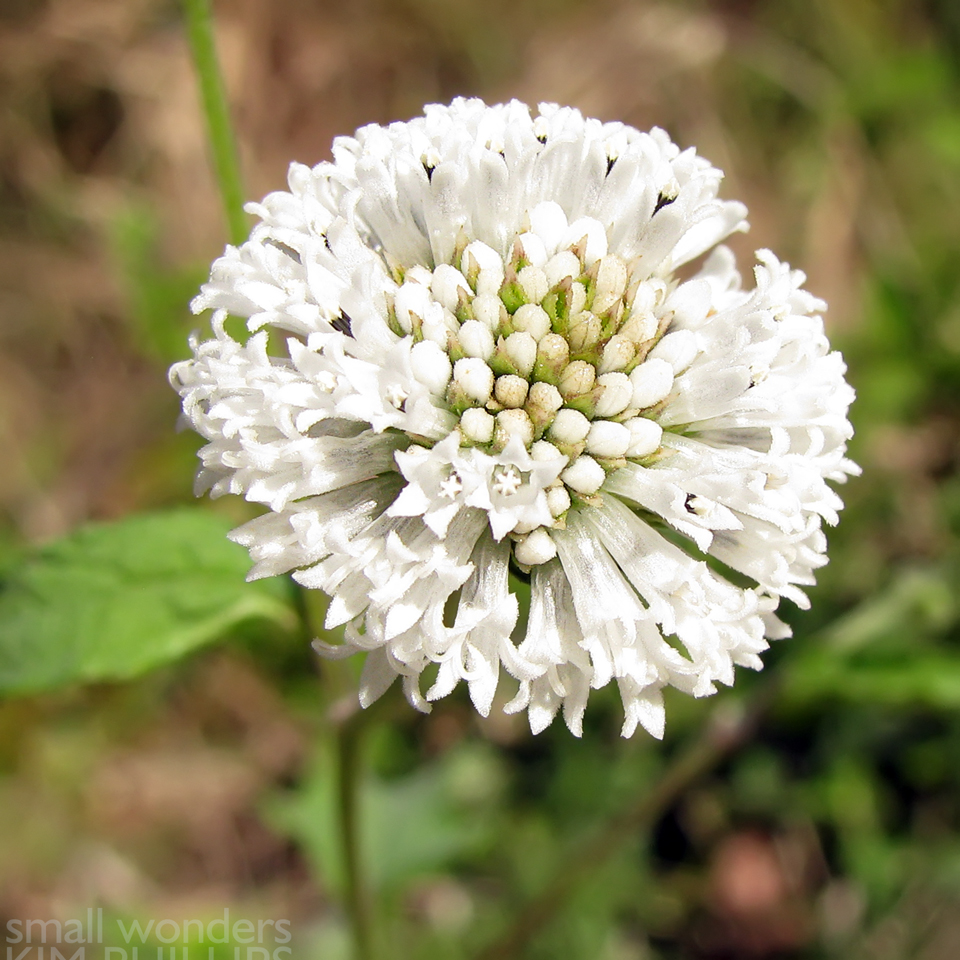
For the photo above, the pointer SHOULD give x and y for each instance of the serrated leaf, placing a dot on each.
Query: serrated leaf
(112, 601)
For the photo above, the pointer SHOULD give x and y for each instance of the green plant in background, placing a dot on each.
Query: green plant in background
(113, 601)
(858, 750)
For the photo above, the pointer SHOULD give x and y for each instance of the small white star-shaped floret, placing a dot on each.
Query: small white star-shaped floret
(438, 481)
(325, 381)
(507, 481)
(514, 493)
(450, 487)
(396, 396)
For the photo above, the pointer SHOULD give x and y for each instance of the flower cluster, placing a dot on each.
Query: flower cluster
(471, 355)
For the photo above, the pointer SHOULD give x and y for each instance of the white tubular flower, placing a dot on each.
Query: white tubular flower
(482, 361)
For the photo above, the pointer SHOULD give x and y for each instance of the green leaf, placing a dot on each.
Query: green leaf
(112, 601)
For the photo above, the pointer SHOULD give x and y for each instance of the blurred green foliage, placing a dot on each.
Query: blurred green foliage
(444, 808)
(157, 294)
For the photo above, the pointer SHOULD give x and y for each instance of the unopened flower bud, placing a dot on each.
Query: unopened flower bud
(419, 274)
(616, 396)
(533, 282)
(558, 501)
(611, 282)
(585, 332)
(542, 451)
(536, 547)
(584, 475)
(470, 268)
(435, 326)
(489, 310)
(476, 339)
(488, 265)
(474, 378)
(533, 319)
(410, 305)
(521, 350)
(553, 352)
(639, 327)
(450, 319)
(650, 295)
(523, 527)
(578, 298)
(590, 238)
(652, 382)
(545, 397)
(512, 423)
(477, 425)
(447, 281)
(617, 353)
(569, 426)
(533, 249)
(511, 391)
(607, 439)
(578, 377)
(562, 265)
(645, 437)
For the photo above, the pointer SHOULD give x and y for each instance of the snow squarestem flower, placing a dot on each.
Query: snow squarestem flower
(472, 354)
(489, 363)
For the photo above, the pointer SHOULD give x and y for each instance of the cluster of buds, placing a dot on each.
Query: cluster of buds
(567, 353)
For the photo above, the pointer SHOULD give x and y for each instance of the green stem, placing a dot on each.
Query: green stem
(348, 802)
(347, 726)
(223, 143)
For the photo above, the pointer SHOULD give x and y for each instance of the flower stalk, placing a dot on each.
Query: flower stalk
(357, 893)
(223, 144)
(346, 726)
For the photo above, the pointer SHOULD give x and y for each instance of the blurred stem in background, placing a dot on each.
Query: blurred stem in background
(348, 725)
(349, 772)
(223, 144)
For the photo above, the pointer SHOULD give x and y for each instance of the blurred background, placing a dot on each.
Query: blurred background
(834, 832)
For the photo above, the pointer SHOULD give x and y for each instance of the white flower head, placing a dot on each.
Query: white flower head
(483, 361)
